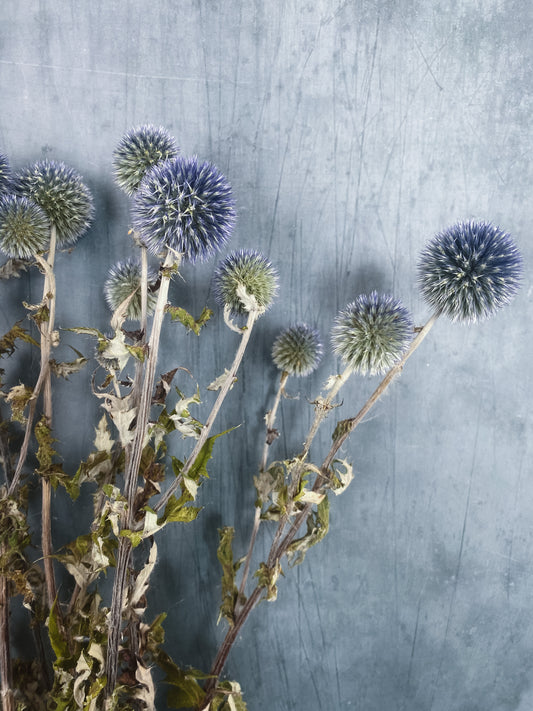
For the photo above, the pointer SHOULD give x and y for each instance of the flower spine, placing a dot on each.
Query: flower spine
(297, 350)
(469, 271)
(138, 151)
(185, 207)
(372, 333)
(61, 193)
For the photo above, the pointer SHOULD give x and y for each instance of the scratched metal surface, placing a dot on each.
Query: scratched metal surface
(351, 132)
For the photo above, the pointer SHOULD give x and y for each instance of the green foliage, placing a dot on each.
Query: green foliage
(228, 697)
(18, 397)
(185, 691)
(230, 592)
(191, 324)
(7, 342)
(267, 578)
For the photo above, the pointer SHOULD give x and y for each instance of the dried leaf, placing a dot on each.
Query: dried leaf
(18, 397)
(65, 369)
(141, 581)
(14, 268)
(342, 477)
(317, 528)
(7, 342)
(219, 382)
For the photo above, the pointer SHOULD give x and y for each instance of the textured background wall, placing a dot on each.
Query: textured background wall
(351, 132)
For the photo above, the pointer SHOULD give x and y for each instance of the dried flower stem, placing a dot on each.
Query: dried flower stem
(280, 545)
(132, 473)
(224, 390)
(46, 346)
(6, 671)
(322, 408)
(270, 420)
(46, 337)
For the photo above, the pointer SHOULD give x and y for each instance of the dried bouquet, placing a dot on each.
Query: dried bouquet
(96, 648)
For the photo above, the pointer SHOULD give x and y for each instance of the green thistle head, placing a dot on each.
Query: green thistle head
(125, 279)
(139, 150)
(61, 193)
(372, 333)
(245, 281)
(24, 227)
(297, 350)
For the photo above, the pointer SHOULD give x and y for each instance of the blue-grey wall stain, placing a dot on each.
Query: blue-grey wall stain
(351, 132)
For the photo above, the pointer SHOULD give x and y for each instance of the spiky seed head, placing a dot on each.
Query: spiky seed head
(372, 333)
(124, 279)
(60, 191)
(139, 150)
(24, 227)
(184, 206)
(5, 175)
(469, 271)
(245, 280)
(297, 350)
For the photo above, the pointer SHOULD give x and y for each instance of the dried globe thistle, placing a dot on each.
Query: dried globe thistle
(61, 193)
(24, 227)
(185, 207)
(469, 271)
(297, 350)
(139, 150)
(5, 175)
(244, 281)
(125, 279)
(372, 333)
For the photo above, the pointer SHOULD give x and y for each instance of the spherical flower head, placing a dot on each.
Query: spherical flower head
(185, 207)
(139, 150)
(297, 350)
(245, 281)
(5, 175)
(469, 271)
(24, 227)
(123, 280)
(62, 194)
(372, 333)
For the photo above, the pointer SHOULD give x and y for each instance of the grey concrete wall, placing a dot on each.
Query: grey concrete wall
(351, 132)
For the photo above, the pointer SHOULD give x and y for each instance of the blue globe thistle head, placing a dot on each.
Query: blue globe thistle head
(297, 350)
(372, 333)
(139, 150)
(24, 227)
(6, 176)
(245, 281)
(469, 271)
(186, 207)
(124, 279)
(60, 191)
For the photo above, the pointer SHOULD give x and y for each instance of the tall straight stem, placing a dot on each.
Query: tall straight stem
(270, 420)
(131, 478)
(46, 345)
(6, 670)
(226, 386)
